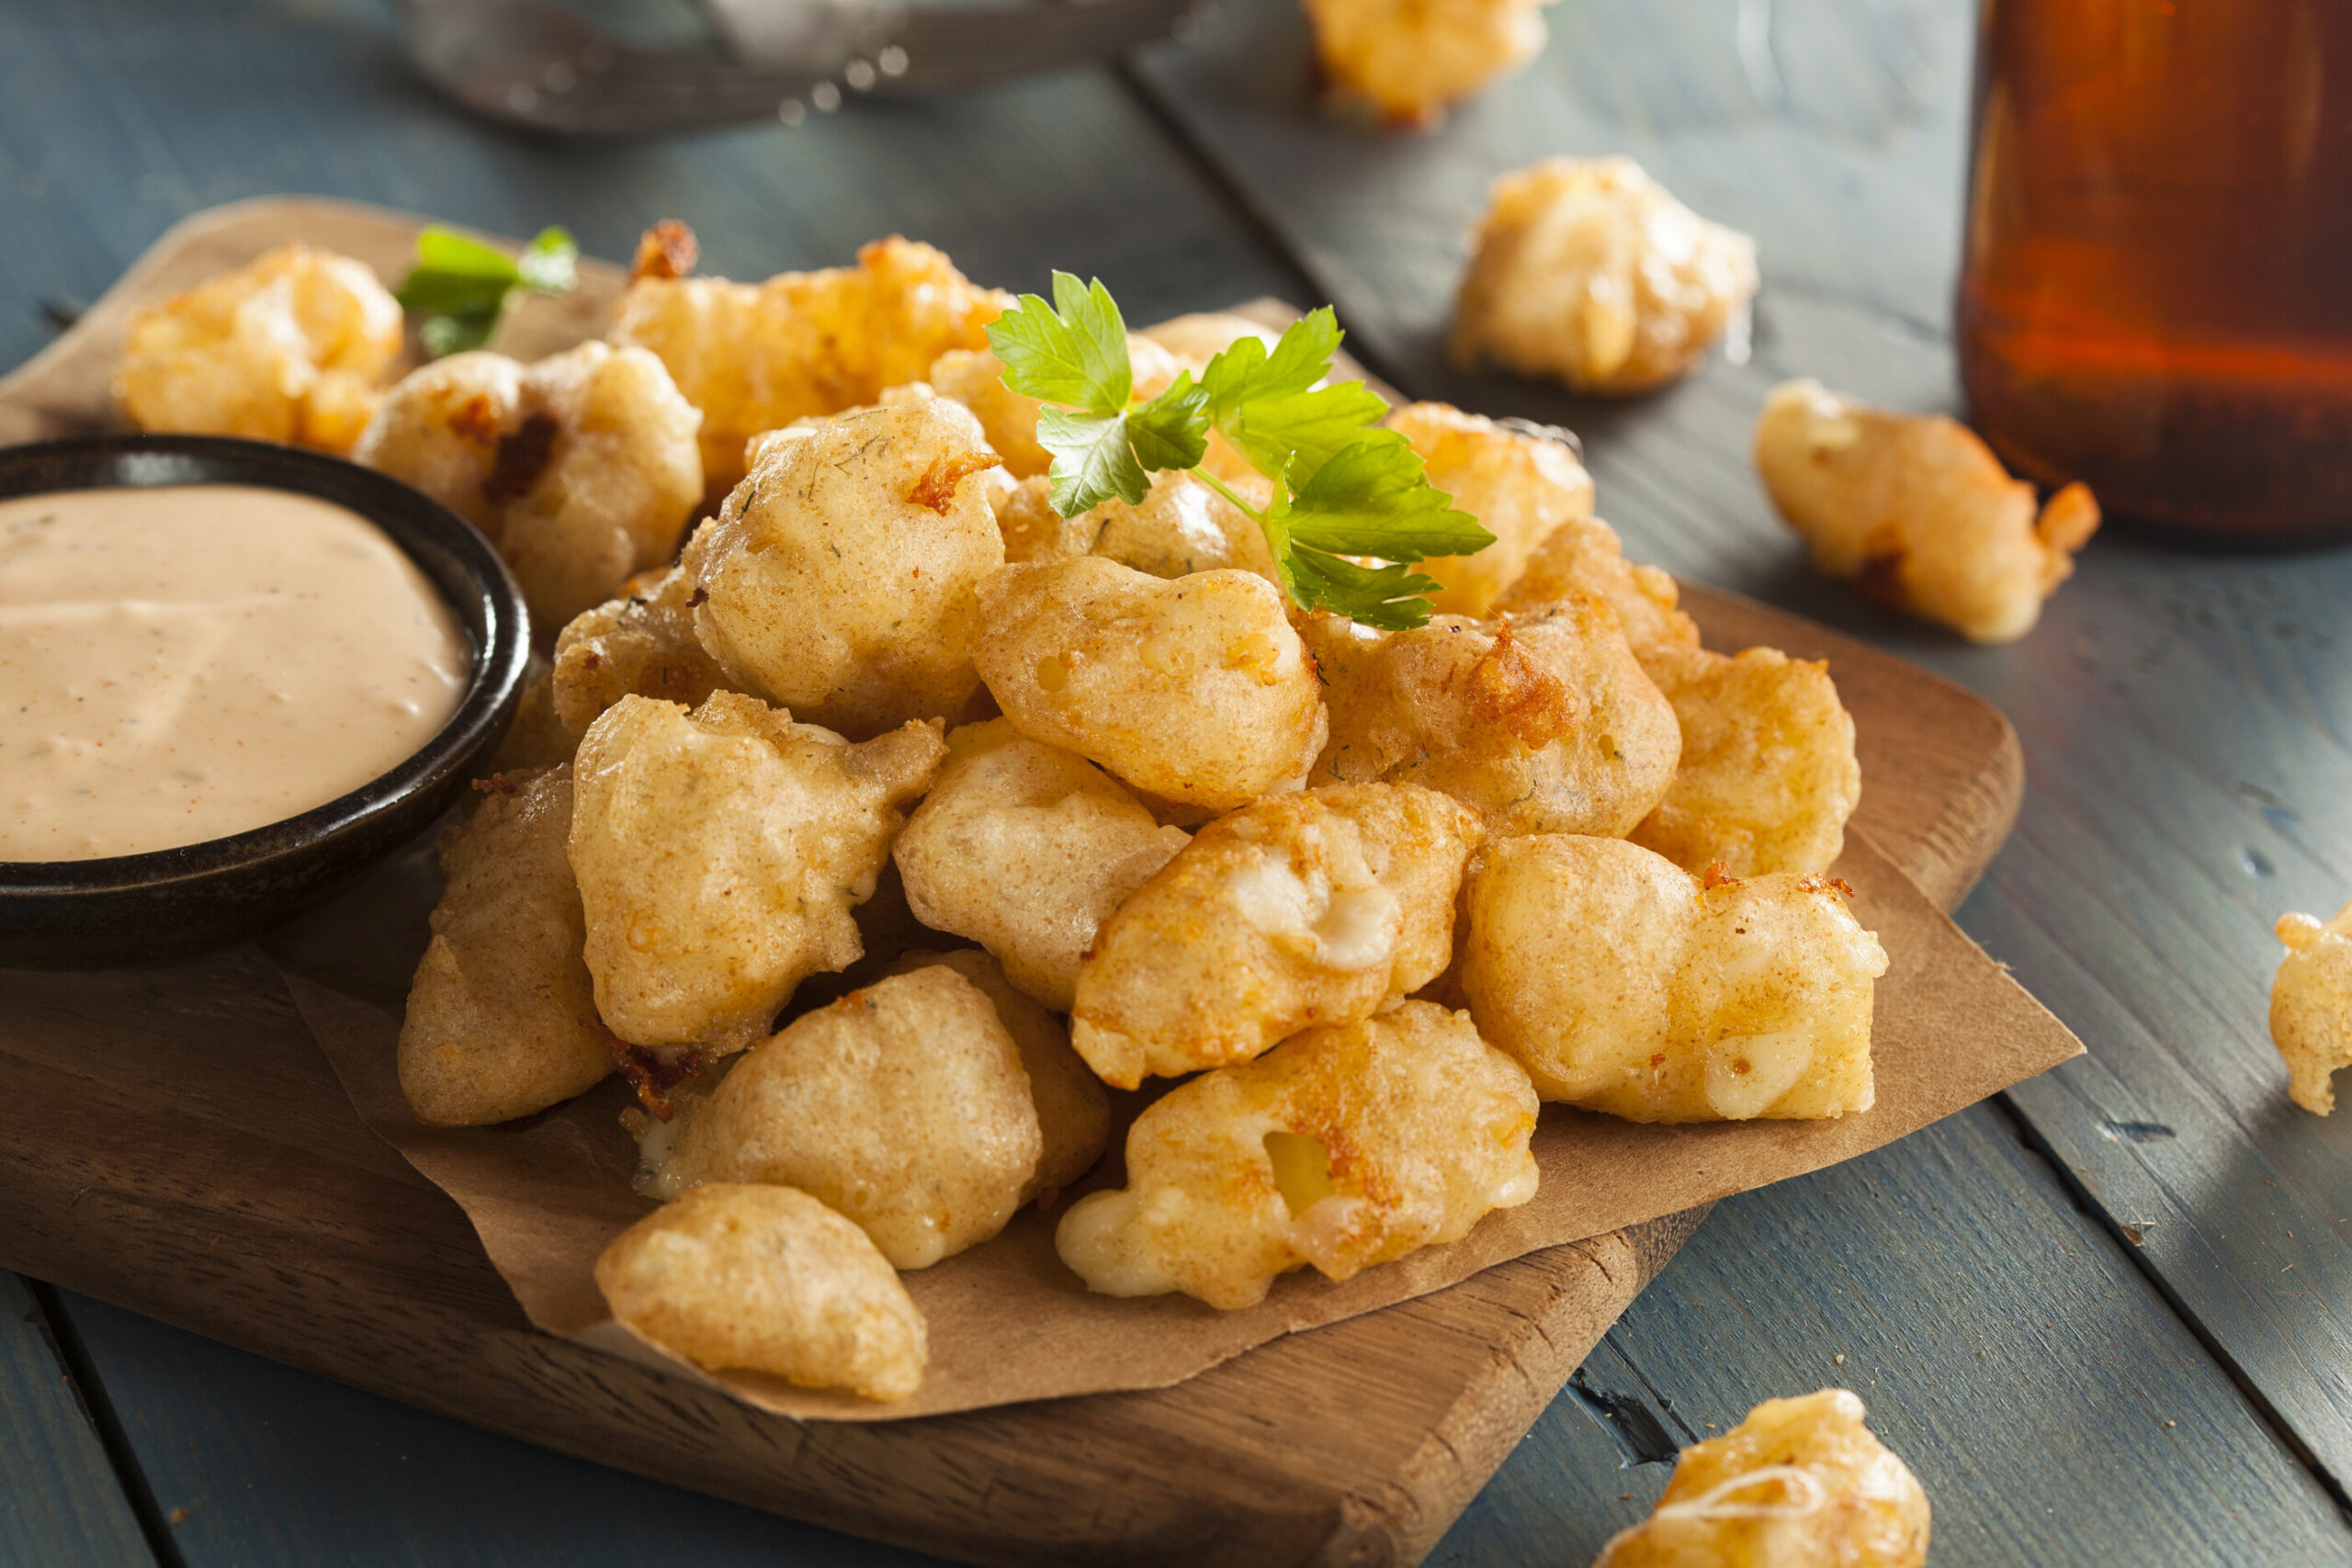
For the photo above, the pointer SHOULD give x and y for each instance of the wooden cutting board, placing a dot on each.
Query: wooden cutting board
(172, 1141)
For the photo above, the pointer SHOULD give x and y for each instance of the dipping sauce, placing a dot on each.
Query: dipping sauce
(184, 662)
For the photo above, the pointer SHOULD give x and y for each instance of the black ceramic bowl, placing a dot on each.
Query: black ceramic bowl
(140, 908)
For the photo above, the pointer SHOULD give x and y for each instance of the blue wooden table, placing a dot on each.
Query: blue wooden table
(2106, 1318)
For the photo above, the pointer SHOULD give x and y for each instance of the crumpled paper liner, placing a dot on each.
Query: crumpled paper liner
(1007, 1322)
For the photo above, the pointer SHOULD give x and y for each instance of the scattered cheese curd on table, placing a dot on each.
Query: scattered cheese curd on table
(1412, 60)
(904, 1106)
(293, 347)
(1344, 1147)
(766, 1279)
(838, 580)
(582, 469)
(1623, 984)
(1027, 849)
(1799, 1484)
(755, 356)
(1766, 777)
(2311, 1006)
(1540, 725)
(1194, 690)
(641, 644)
(1304, 909)
(1522, 485)
(1917, 511)
(502, 1015)
(1588, 271)
(1073, 1108)
(719, 854)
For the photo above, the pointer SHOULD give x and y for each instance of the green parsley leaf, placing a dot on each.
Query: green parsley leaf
(1388, 596)
(461, 286)
(1373, 498)
(1170, 431)
(1092, 459)
(1073, 352)
(1343, 486)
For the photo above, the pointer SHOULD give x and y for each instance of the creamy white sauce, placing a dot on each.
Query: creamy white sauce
(184, 662)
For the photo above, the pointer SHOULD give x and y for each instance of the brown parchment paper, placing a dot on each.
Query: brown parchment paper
(1007, 1322)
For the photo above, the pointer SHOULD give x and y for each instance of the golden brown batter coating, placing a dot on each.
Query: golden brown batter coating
(1305, 908)
(1589, 272)
(904, 1106)
(770, 1280)
(2311, 1006)
(642, 643)
(1196, 690)
(1343, 1147)
(292, 346)
(582, 469)
(719, 853)
(1623, 984)
(1542, 724)
(1412, 60)
(755, 356)
(1524, 487)
(501, 1018)
(1026, 849)
(838, 580)
(1917, 511)
(1800, 1483)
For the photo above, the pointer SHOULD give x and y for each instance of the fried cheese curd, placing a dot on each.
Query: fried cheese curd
(755, 356)
(1768, 776)
(1194, 690)
(838, 580)
(1306, 908)
(1344, 1147)
(1522, 485)
(2311, 1006)
(1799, 1484)
(1180, 528)
(974, 377)
(719, 852)
(1412, 60)
(642, 643)
(582, 469)
(292, 347)
(1917, 511)
(1540, 725)
(1623, 984)
(1073, 1108)
(904, 1105)
(1027, 849)
(501, 1018)
(1587, 271)
(767, 1279)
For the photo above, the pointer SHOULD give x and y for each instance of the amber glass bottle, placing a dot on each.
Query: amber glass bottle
(2157, 292)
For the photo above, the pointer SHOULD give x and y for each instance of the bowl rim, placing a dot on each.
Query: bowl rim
(490, 615)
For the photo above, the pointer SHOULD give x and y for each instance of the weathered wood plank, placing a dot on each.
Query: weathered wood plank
(256, 1462)
(2008, 1350)
(2185, 717)
(62, 1505)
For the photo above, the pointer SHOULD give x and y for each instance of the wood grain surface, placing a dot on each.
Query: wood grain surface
(2184, 721)
(1360, 1441)
(69, 1512)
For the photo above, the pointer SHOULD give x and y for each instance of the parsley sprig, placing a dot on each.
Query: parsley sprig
(1343, 486)
(461, 286)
